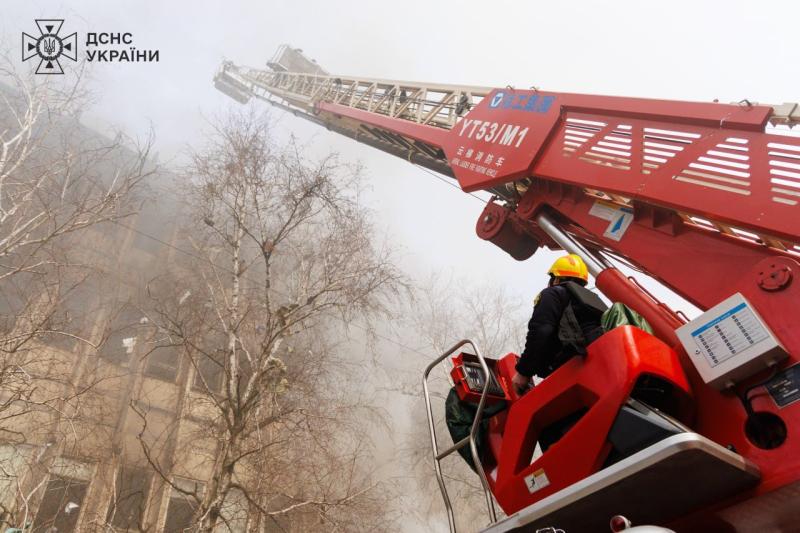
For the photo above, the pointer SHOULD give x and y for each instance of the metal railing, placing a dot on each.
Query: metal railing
(437, 455)
(439, 105)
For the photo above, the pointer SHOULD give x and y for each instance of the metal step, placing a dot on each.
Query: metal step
(661, 482)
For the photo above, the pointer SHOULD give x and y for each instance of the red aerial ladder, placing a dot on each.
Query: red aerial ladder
(696, 427)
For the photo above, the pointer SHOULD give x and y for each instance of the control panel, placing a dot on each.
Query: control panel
(730, 342)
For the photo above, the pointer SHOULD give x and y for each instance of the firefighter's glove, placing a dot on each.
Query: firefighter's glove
(521, 383)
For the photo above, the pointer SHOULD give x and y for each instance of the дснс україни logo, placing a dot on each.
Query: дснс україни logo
(49, 46)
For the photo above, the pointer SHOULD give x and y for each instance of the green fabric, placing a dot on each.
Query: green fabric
(620, 314)
(459, 416)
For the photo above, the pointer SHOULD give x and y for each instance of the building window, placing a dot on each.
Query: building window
(121, 335)
(152, 224)
(182, 506)
(13, 302)
(234, 512)
(60, 506)
(14, 462)
(73, 314)
(162, 363)
(210, 372)
(127, 508)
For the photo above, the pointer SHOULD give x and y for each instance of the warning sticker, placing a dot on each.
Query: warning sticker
(536, 480)
(619, 218)
(785, 387)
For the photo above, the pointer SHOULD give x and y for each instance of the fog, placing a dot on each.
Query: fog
(677, 50)
(682, 50)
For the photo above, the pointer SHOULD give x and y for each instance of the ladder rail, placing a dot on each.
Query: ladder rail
(384, 110)
(702, 175)
(359, 92)
(438, 105)
(439, 456)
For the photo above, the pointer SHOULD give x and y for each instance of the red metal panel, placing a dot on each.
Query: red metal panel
(498, 140)
(699, 264)
(706, 267)
(601, 382)
(707, 174)
(539, 113)
(707, 159)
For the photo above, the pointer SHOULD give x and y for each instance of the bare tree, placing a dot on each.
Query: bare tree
(57, 182)
(61, 189)
(284, 255)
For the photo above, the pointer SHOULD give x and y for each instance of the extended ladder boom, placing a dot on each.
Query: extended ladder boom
(704, 197)
(663, 185)
(418, 122)
(437, 106)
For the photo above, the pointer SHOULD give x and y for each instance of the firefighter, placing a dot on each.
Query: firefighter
(566, 319)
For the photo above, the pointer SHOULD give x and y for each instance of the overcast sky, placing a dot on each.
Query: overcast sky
(678, 49)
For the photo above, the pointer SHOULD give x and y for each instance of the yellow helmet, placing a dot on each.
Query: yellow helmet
(570, 266)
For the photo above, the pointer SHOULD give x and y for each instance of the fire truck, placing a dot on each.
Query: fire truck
(695, 427)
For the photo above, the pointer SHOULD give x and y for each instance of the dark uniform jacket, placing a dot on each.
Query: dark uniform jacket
(555, 333)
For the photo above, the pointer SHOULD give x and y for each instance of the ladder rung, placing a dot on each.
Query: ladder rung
(457, 446)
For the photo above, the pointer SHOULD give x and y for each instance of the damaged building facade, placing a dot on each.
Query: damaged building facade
(101, 420)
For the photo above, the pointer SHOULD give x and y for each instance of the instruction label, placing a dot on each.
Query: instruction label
(728, 334)
(603, 210)
(785, 387)
(619, 218)
(536, 480)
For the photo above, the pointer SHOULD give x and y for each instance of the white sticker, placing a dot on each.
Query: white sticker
(619, 224)
(603, 210)
(619, 218)
(537, 480)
